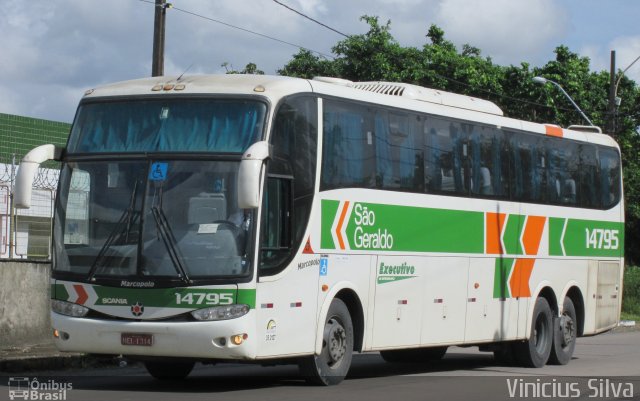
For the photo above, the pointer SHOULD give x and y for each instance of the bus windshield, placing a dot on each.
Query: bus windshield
(167, 125)
(151, 219)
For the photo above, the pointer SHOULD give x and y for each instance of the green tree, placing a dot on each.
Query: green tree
(307, 65)
(250, 68)
(376, 55)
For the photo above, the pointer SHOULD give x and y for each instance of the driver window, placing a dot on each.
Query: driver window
(276, 224)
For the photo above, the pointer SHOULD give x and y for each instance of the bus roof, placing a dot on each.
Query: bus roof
(203, 84)
(392, 94)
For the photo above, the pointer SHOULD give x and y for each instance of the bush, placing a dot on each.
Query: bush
(631, 291)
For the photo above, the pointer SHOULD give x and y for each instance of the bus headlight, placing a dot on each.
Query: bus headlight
(68, 308)
(221, 312)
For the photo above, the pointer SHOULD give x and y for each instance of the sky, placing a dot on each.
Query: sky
(53, 51)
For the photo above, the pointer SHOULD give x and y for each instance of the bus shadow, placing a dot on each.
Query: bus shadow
(236, 377)
(372, 365)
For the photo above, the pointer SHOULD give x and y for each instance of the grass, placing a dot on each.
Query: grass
(630, 316)
(631, 294)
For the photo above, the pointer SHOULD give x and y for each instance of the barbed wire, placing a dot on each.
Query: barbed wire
(5, 173)
(45, 178)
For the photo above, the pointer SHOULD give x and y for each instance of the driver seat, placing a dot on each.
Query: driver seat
(206, 208)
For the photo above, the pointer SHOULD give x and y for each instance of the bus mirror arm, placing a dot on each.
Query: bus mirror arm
(28, 169)
(249, 174)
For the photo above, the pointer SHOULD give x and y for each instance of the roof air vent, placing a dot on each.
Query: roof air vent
(379, 87)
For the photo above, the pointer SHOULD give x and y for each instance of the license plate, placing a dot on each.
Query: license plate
(145, 340)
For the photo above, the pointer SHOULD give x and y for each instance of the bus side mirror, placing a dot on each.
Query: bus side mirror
(250, 173)
(27, 171)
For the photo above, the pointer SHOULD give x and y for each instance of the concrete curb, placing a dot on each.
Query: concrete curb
(51, 362)
(45, 356)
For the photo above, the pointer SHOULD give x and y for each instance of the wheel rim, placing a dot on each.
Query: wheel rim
(335, 341)
(541, 334)
(567, 325)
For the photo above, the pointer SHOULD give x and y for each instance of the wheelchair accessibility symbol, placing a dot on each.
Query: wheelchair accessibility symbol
(324, 266)
(158, 171)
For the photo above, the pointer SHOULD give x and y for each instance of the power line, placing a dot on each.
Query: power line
(331, 57)
(243, 29)
(532, 103)
(310, 19)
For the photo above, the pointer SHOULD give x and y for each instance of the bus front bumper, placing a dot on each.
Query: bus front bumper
(201, 340)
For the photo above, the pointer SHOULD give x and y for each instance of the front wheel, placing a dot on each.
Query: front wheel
(169, 370)
(332, 365)
(535, 351)
(565, 333)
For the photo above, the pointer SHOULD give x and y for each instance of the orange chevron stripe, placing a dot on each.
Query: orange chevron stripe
(519, 282)
(343, 214)
(494, 226)
(532, 234)
(553, 130)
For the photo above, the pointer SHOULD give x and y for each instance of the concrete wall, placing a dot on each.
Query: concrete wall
(24, 303)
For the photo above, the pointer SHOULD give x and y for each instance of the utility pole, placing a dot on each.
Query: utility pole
(157, 67)
(611, 120)
(13, 228)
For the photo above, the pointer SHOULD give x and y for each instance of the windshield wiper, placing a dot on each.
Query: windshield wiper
(170, 243)
(126, 220)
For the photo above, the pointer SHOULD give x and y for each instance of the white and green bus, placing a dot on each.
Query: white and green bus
(274, 219)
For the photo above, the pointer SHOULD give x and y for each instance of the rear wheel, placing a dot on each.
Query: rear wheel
(535, 351)
(332, 365)
(416, 355)
(169, 370)
(565, 333)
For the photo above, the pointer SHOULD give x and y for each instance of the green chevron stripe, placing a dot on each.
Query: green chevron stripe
(512, 234)
(503, 268)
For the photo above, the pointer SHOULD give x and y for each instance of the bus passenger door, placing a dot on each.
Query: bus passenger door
(398, 301)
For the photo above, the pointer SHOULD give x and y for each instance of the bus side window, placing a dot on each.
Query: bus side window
(398, 158)
(609, 177)
(573, 168)
(589, 185)
(569, 170)
(528, 171)
(554, 173)
(439, 156)
(348, 153)
(493, 176)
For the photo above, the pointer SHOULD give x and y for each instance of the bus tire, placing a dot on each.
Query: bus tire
(565, 332)
(332, 365)
(415, 355)
(535, 351)
(169, 370)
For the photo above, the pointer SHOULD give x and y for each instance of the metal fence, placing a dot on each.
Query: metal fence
(26, 233)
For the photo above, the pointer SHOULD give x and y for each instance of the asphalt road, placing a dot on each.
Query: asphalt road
(604, 367)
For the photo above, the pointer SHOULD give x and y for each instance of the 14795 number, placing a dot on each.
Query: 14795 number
(203, 298)
(600, 238)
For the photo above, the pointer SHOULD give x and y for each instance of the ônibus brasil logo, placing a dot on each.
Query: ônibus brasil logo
(24, 388)
(355, 226)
